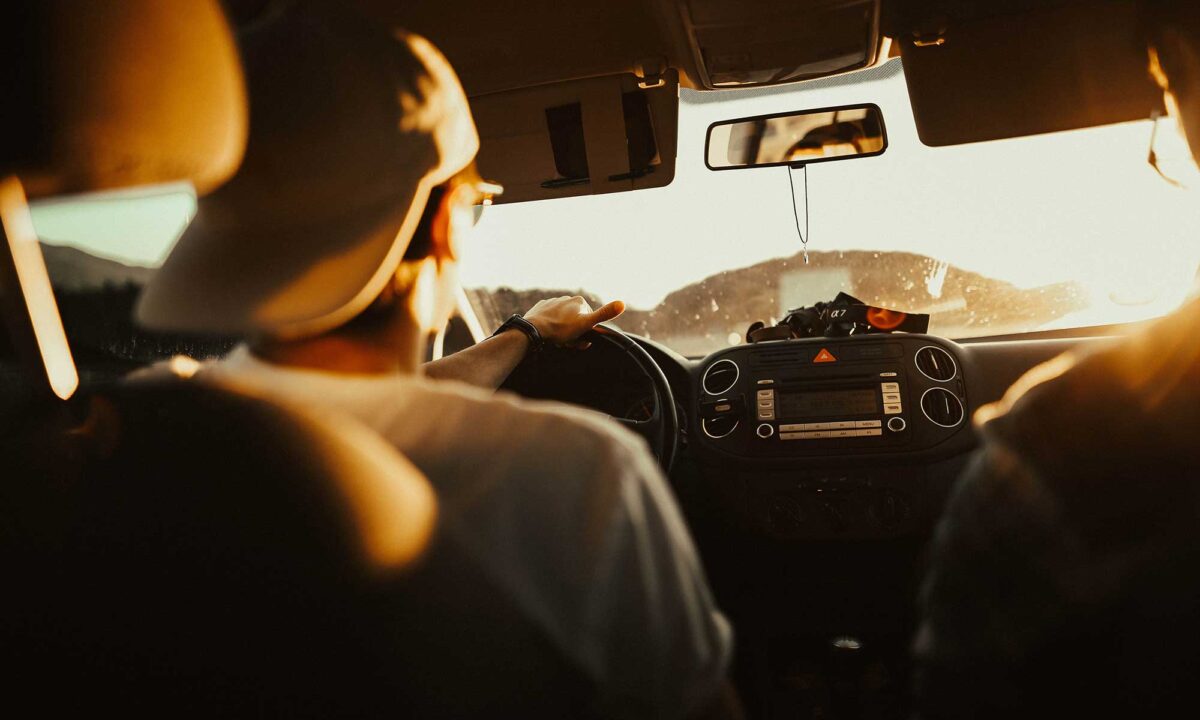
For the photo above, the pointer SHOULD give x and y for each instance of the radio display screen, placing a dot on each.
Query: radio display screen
(831, 403)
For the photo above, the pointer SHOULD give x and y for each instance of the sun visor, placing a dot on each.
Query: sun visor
(974, 77)
(584, 137)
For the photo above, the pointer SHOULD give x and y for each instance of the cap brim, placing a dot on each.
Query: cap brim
(233, 272)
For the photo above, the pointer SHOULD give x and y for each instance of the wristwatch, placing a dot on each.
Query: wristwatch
(517, 322)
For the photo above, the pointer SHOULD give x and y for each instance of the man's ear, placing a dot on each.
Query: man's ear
(452, 221)
(441, 243)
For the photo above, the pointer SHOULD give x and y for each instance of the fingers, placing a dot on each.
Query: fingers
(605, 312)
(564, 320)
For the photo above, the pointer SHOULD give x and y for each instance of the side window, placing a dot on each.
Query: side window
(100, 251)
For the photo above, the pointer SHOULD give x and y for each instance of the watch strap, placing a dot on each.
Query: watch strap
(518, 322)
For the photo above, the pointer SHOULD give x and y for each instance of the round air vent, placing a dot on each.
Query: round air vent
(942, 407)
(936, 364)
(720, 377)
(719, 427)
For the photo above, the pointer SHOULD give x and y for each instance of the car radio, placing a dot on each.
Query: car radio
(823, 396)
(803, 410)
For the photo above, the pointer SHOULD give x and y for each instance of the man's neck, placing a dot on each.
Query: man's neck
(394, 350)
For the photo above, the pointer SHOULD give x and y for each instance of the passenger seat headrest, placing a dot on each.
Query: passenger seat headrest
(111, 94)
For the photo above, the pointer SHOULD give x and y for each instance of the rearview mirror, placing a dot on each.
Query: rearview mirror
(796, 138)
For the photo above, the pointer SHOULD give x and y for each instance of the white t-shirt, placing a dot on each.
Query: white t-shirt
(566, 509)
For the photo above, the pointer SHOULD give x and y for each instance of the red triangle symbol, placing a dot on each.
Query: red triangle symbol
(824, 356)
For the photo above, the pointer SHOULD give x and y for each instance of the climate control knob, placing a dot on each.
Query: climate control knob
(766, 430)
(896, 424)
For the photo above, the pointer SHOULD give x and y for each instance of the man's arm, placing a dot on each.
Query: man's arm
(561, 321)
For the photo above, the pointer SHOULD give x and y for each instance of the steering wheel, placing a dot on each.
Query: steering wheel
(661, 430)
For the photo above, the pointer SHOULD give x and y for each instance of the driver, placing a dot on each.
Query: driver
(333, 251)
(1063, 577)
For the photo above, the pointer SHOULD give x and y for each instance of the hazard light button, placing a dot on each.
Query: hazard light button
(824, 357)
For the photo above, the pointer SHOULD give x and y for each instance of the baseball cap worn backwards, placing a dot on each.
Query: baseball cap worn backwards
(350, 127)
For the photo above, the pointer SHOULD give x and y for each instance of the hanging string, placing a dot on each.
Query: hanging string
(796, 213)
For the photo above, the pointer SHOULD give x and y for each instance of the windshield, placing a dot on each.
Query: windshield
(1056, 231)
(1062, 230)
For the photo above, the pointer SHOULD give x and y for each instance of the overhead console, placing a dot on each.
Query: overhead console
(826, 397)
(767, 42)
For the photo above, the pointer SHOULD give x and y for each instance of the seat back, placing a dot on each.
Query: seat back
(191, 550)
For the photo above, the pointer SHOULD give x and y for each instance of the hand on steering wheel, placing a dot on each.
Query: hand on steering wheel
(563, 321)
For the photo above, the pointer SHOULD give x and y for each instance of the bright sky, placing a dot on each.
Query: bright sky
(1079, 205)
(1082, 206)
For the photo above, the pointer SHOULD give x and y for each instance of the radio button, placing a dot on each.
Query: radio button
(842, 434)
(765, 431)
(889, 397)
(722, 408)
(868, 424)
(820, 435)
(801, 427)
(890, 387)
(892, 409)
(841, 425)
(766, 394)
(876, 432)
(766, 414)
(896, 424)
(766, 382)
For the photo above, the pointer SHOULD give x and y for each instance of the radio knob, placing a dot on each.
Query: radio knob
(765, 430)
(896, 424)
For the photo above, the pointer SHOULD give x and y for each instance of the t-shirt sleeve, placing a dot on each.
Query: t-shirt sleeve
(665, 647)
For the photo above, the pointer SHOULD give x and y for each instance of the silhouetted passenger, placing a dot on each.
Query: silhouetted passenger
(1065, 575)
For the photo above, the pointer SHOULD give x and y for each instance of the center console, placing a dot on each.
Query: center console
(830, 438)
(827, 397)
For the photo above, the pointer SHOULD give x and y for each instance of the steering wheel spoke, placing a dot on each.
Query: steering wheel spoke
(661, 430)
(641, 427)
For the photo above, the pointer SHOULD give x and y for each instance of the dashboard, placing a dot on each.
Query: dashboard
(831, 439)
(811, 474)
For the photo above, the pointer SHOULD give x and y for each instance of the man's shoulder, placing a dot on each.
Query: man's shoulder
(1116, 409)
